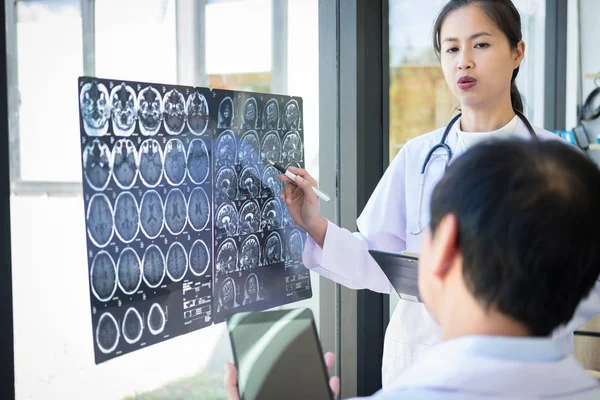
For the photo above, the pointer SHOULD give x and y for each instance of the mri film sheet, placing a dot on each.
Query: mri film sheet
(147, 189)
(184, 223)
(258, 248)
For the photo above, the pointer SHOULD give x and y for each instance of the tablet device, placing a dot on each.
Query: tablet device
(402, 270)
(278, 355)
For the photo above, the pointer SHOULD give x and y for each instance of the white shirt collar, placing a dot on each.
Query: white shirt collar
(468, 139)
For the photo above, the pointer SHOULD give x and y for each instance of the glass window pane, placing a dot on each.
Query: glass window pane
(46, 94)
(134, 40)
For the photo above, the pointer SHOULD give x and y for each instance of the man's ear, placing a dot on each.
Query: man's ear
(445, 246)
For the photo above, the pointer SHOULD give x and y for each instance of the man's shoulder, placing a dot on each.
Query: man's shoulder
(421, 394)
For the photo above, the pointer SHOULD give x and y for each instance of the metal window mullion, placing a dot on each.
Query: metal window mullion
(556, 64)
(88, 32)
(191, 42)
(279, 46)
(12, 80)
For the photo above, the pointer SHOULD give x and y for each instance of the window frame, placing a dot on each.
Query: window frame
(191, 69)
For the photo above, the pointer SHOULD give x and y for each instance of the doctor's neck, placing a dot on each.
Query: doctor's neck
(486, 117)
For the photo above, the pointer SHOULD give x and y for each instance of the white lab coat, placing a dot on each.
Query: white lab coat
(386, 224)
(492, 367)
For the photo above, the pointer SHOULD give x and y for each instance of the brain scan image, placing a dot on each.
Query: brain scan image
(227, 218)
(199, 258)
(123, 103)
(100, 220)
(126, 217)
(95, 108)
(151, 214)
(272, 215)
(151, 162)
(156, 319)
(271, 115)
(292, 147)
(174, 112)
(107, 333)
(249, 114)
(129, 271)
(227, 293)
(133, 326)
(291, 116)
(177, 262)
(149, 111)
(249, 182)
(227, 257)
(295, 245)
(198, 209)
(125, 161)
(98, 164)
(175, 162)
(226, 184)
(197, 113)
(175, 211)
(225, 113)
(287, 218)
(293, 164)
(249, 218)
(153, 265)
(251, 289)
(198, 161)
(271, 182)
(103, 276)
(271, 147)
(273, 249)
(248, 151)
(225, 149)
(250, 253)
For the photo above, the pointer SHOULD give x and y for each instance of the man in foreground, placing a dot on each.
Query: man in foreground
(511, 250)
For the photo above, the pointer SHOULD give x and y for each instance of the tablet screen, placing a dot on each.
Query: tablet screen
(278, 355)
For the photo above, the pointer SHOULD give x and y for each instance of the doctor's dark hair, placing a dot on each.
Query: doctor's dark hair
(528, 216)
(506, 17)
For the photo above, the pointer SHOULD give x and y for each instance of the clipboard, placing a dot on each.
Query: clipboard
(402, 270)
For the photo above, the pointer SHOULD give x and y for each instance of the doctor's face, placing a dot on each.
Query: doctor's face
(476, 58)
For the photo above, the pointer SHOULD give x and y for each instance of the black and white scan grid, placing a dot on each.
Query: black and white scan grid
(258, 247)
(183, 217)
(147, 194)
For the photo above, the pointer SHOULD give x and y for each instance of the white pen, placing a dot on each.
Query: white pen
(292, 176)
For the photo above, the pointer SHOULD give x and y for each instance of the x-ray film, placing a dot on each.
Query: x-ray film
(184, 223)
(258, 248)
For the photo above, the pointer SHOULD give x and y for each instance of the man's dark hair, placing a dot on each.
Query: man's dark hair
(528, 217)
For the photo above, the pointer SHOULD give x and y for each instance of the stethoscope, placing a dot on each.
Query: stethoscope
(444, 146)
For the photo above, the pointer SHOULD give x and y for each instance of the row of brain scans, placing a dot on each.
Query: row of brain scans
(125, 162)
(109, 333)
(183, 215)
(254, 147)
(150, 215)
(150, 110)
(150, 267)
(127, 105)
(253, 251)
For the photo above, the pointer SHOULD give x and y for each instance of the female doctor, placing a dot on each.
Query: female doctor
(478, 43)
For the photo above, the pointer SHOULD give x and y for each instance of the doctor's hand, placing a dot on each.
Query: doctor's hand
(303, 204)
(231, 379)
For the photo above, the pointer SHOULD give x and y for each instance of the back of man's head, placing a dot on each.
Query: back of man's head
(528, 216)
